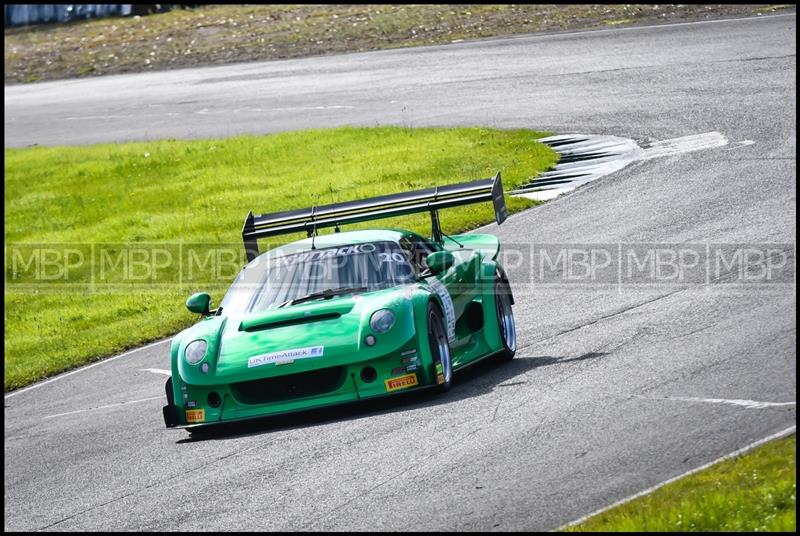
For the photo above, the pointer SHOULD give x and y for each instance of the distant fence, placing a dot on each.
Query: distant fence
(24, 14)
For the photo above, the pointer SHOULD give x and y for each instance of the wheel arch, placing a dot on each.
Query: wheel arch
(422, 298)
(504, 279)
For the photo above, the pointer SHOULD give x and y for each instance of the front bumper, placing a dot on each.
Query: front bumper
(199, 405)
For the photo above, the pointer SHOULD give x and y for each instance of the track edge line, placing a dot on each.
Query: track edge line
(783, 433)
(85, 367)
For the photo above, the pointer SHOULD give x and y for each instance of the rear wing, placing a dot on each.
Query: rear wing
(385, 206)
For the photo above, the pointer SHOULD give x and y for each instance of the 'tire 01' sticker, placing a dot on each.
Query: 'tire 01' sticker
(449, 310)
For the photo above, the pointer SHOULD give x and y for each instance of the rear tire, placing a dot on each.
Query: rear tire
(505, 320)
(440, 349)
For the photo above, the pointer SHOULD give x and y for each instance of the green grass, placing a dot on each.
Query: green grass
(755, 492)
(774, 7)
(165, 192)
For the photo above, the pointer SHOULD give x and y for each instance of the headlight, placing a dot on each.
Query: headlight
(382, 321)
(195, 351)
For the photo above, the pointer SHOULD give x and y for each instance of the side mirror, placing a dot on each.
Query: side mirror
(199, 303)
(440, 261)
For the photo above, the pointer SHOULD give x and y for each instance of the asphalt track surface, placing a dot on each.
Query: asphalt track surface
(609, 391)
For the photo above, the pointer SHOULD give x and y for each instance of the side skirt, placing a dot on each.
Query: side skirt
(478, 360)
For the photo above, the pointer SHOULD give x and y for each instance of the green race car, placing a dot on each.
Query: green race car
(345, 316)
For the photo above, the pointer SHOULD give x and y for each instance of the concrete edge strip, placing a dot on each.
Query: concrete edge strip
(783, 433)
(87, 367)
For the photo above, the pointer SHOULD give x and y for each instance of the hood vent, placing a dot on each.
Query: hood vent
(251, 326)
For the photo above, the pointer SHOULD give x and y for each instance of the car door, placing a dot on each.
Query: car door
(456, 287)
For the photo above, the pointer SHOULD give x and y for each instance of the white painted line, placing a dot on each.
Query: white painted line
(298, 108)
(632, 28)
(110, 359)
(685, 144)
(740, 144)
(746, 403)
(104, 407)
(156, 371)
(788, 431)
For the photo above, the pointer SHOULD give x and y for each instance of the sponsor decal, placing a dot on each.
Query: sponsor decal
(401, 382)
(285, 356)
(449, 310)
(411, 367)
(439, 367)
(191, 403)
(440, 379)
(329, 253)
(195, 415)
(407, 360)
(398, 370)
(407, 352)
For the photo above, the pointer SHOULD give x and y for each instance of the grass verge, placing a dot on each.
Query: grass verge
(218, 34)
(104, 243)
(755, 492)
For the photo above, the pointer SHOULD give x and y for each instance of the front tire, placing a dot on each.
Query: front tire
(505, 320)
(440, 349)
(169, 412)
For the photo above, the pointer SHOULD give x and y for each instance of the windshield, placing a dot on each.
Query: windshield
(270, 283)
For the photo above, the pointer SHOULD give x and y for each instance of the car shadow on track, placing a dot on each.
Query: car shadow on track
(481, 378)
